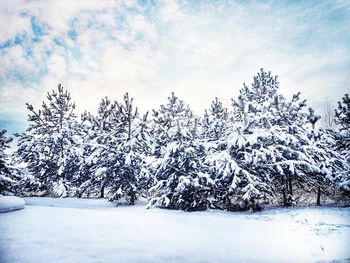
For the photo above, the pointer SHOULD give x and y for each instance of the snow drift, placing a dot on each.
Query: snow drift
(11, 203)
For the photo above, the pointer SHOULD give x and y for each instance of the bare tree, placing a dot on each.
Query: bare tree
(327, 119)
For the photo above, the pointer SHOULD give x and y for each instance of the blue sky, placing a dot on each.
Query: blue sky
(198, 49)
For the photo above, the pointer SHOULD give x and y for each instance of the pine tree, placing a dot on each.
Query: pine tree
(342, 119)
(50, 148)
(342, 113)
(117, 155)
(313, 118)
(273, 141)
(332, 164)
(236, 162)
(167, 117)
(133, 176)
(296, 170)
(5, 170)
(215, 120)
(240, 183)
(97, 132)
(235, 188)
(178, 168)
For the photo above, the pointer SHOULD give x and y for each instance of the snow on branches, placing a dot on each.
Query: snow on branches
(265, 149)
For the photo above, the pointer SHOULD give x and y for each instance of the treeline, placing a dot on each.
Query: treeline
(264, 149)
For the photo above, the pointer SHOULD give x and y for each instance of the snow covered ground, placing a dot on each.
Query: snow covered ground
(78, 230)
(10, 203)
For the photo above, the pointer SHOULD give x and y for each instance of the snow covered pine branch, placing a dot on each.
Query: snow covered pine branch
(264, 149)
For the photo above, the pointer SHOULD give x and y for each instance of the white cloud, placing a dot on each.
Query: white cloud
(119, 72)
(197, 50)
(57, 67)
(11, 22)
(171, 10)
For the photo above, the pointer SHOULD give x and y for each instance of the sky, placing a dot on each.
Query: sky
(198, 49)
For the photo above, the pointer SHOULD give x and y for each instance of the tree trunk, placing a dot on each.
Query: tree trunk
(319, 196)
(284, 197)
(132, 198)
(286, 187)
(102, 192)
(284, 193)
(290, 188)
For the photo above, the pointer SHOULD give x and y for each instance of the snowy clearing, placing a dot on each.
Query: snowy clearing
(10, 203)
(78, 230)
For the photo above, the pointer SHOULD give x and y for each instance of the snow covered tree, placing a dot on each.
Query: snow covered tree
(50, 148)
(5, 170)
(274, 144)
(313, 118)
(178, 168)
(342, 119)
(235, 188)
(239, 182)
(118, 141)
(97, 131)
(175, 111)
(236, 161)
(329, 161)
(332, 164)
(266, 150)
(342, 113)
(214, 123)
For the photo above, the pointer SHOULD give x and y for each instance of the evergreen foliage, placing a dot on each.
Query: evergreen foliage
(181, 182)
(5, 169)
(117, 146)
(266, 149)
(50, 148)
(342, 118)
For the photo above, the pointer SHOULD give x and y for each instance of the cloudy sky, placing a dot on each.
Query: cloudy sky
(198, 49)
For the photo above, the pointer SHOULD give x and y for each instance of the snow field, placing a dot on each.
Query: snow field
(10, 203)
(93, 231)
